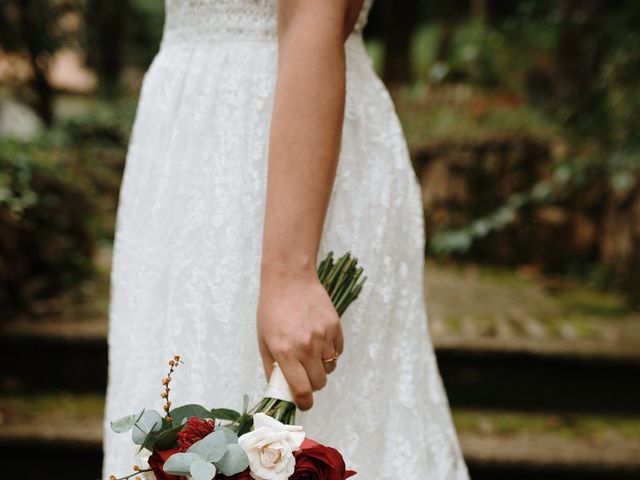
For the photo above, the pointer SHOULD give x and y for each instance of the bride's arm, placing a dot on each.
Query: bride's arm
(297, 324)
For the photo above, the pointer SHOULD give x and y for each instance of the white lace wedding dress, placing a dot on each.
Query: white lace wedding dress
(187, 250)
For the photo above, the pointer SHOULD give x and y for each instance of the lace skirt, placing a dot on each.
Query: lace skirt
(186, 264)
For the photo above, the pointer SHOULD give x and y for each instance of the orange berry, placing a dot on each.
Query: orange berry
(177, 358)
(136, 468)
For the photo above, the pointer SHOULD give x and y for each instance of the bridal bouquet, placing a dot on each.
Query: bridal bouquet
(261, 443)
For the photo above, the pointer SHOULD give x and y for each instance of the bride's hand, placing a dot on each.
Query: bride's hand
(298, 327)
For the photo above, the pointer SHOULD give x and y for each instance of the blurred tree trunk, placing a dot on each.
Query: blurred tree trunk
(479, 11)
(34, 33)
(447, 29)
(44, 92)
(401, 18)
(106, 23)
(620, 240)
(582, 47)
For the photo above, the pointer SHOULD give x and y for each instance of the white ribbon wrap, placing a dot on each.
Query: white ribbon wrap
(278, 386)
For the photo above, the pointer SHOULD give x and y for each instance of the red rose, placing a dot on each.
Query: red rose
(156, 462)
(317, 462)
(194, 430)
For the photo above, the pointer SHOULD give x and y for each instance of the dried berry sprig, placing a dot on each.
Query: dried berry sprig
(166, 381)
(130, 421)
(136, 471)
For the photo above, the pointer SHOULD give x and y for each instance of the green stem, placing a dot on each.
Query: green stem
(135, 473)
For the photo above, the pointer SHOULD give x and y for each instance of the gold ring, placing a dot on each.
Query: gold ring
(331, 360)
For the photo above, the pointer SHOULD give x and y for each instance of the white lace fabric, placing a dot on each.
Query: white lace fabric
(186, 266)
(199, 21)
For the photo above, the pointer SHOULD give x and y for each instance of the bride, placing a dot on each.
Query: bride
(263, 140)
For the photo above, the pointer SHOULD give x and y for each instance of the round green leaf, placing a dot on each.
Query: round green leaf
(225, 414)
(185, 412)
(125, 424)
(180, 463)
(167, 438)
(231, 436)
(149, 422)
(234, 461)
(212, 447)
(201, 470)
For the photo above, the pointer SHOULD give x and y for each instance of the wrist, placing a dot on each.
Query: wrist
(288, 264)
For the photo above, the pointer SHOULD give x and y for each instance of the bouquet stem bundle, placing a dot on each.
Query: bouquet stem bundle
(342, 280)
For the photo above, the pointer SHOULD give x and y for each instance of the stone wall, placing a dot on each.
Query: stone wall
(582, 225)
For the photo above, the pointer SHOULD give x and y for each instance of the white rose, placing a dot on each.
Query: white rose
(270, 446)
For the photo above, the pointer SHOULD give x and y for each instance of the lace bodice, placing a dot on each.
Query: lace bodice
(215, 20)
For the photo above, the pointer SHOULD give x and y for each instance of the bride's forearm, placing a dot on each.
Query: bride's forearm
(297, 324)
(306, 129)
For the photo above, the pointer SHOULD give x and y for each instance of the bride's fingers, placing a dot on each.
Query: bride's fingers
(330, 365)
(338, 342)
(328, 355)
(298, 380)
(315, 370)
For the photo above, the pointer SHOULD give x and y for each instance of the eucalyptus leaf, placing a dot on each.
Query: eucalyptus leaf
(149, 441)
(125, 424)
(211, 448)
(244, 424)
(234, 461)
(180, 463)
(185, 412)
(201, 470)
(150, 421)
(167, 438)
(225, 414)
(232, 437)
